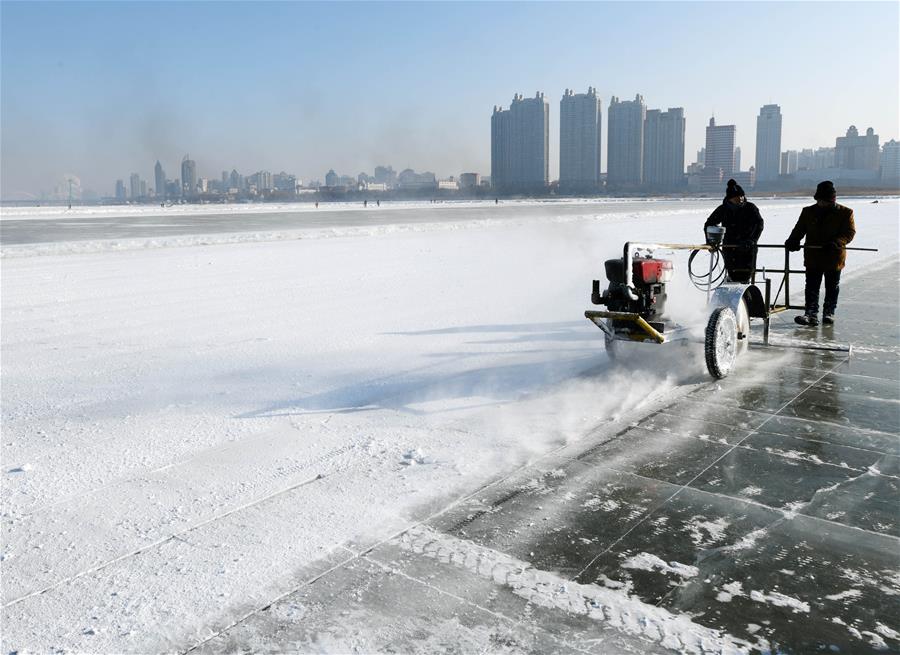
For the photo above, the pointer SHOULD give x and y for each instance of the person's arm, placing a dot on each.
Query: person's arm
(847, 232)
(714, 219)
(799, 231)
(758, 224)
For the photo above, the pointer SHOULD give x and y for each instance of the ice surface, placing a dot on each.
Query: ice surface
(190, 433)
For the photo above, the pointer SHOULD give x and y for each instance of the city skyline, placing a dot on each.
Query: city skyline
(306, 87)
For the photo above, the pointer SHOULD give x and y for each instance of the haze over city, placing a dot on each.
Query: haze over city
(101, 89)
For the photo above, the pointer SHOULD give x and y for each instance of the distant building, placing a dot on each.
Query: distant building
(890, 163)
(579, 140)
(188, 177)
(236, 182)
(625, 142)
(746, 179)
(135, 184)
(790, 162)
(823, 158)
(737, 159)
(159, 176)
(720, 147)
(409, 180)
(386, 175)
(173, 188)
(469, 180)
(768, 143)
(806, 159)
(520, 145)
(855, 152)
(448, 185)
(664, 148)
(143, 188)
(284, 183)
(331, 178)
(701, 156)
(120, 190)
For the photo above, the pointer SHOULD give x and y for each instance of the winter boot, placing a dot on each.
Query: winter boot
(807, 319)
(828, 319)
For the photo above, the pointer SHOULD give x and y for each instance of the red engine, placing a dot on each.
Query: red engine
(652, 271)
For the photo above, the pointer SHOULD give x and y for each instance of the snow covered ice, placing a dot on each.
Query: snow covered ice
(206, 411)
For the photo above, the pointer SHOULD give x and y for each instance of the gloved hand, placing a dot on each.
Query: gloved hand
(793, 246)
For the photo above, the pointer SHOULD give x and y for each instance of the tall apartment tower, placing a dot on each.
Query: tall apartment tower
(579, 140)
(664, 148)
(720, 147)
(159, 176)
(135, 184)
(188, 176)
(625, 142)
(520, 145)
(768, 143)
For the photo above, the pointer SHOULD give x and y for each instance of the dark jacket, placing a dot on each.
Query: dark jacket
(743, 224)
(832, 228)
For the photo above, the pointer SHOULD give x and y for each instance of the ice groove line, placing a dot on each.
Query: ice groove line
(771, 415)
(696, 477)
(400, 533)
(163, 540)
(208, 452)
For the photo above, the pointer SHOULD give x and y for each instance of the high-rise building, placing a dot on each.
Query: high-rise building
(135, 184)
(120, 190)
(720, 147)
(469, 180)
(806, 160)
(890, 162)
(737, 159)
(159, 177)
(188, 176)
(790, 161)
(768, 143)
(625, 142)
(824, 158)
(386, 175)
(331, 178)
(855, 152)
(236, 181)
(520, 144)
(664, 148)
(579, 140)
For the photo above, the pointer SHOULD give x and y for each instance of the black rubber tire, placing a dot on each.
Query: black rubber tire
(719, 363)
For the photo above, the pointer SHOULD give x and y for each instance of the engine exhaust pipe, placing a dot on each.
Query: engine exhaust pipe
(595, 292)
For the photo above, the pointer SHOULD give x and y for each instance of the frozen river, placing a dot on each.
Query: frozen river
(199, 425)
(50, 225)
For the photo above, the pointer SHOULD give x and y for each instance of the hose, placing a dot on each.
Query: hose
(711, 279)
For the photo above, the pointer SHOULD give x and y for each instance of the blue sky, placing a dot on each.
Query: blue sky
(104, 89)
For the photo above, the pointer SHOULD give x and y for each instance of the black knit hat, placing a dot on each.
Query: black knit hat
(734, 190)
(825, 191)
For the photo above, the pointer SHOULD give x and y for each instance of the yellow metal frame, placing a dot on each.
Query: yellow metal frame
(648, 329)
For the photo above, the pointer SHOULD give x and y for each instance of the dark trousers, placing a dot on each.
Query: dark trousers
(832, 287)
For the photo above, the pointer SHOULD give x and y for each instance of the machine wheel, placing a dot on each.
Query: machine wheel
(721, 342)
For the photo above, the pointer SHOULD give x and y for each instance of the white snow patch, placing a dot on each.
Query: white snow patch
(612, 606)
(705, 532)
(780, 600)
(850, 593)
(651, 562)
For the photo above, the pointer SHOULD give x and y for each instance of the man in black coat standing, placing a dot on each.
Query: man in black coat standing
(743, 224)
(828, 228)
